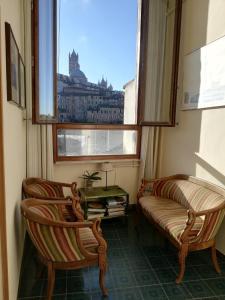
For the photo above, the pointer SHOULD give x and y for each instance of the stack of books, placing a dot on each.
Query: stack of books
(115, 207)
(96, 210)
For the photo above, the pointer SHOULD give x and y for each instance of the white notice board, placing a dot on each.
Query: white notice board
(204, 77)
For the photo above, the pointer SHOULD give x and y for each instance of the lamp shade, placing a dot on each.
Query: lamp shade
(106, 167)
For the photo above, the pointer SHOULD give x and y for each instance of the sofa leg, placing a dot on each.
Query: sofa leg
(214, 258)
(51, 280)
(182, 256)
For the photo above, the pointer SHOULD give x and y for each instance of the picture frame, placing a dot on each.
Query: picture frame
(12, 66)
(22, 85)
(204, 77)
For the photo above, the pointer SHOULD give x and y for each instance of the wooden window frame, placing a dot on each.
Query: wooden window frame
(35, 65)
(57, 158)
(55, 125)
(143, 69)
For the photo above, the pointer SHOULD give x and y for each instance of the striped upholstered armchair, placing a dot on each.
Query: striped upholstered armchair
(63, 245)
(51, 190)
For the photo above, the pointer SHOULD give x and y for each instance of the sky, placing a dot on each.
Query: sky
(103, 32)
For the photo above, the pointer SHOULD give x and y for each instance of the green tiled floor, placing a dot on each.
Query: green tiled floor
(142, 265)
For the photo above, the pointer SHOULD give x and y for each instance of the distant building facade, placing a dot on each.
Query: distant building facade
(85, 102)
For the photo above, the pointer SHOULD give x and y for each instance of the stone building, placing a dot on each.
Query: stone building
(86, 102)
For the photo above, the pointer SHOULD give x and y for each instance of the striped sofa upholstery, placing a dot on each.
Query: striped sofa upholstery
(58, 243)
(169, 201)
(188, 194)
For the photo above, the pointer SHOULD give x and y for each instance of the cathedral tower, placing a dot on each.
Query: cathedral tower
(74, 67)
(73, 62)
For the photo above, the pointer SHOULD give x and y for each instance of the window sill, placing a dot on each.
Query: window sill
(117, 163)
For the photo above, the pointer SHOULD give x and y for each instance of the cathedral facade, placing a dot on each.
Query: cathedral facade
(80, 101)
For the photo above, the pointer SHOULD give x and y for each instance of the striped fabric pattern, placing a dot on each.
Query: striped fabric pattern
(188, 194)
(88, 239)
(45, 190)
(56, 243)
(170, 215)
(47, 211)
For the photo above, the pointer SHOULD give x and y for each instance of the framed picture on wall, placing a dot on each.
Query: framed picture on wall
(12, 66)
(22, 88)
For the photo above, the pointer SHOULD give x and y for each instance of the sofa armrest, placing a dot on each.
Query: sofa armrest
(212, 220)
(146, 188)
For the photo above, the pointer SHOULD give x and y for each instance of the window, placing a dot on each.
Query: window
(85, 73)
(81, 143)
(89, 81)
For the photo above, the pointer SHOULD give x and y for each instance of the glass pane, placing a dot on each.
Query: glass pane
(96, 49)
(159, 62)
(46, 60)
(74, 142)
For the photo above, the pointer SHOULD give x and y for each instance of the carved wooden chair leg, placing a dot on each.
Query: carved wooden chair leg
(214, 258)
(182, 256)
(102, 272)
(51, 280)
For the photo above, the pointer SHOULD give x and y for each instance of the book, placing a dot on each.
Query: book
(94, 216)
(96, 205)
(114, 202)
(116, 213)
(96, 210)
(116, 209)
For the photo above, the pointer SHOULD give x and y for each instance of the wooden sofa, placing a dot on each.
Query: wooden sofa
(187, 210)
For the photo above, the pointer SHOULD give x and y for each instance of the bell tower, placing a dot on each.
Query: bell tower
(73, 63)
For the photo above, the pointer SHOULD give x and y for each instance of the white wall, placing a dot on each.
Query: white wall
(196, 146)
(124, 174)
(15, 150)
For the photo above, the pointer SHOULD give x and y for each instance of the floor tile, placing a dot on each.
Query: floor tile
(207, 271)
(79, 296)
(123, 278)
(153, 292)
(129, 294)
(145, 277)
(78, 284)
(166, 275)
(198, 289)
(176, 291)
(217, 285)
(159, 262)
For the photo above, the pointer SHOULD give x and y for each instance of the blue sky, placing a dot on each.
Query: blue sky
(103, 32)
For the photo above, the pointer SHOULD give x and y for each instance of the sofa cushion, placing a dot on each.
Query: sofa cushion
(168, 214)
(188, 194)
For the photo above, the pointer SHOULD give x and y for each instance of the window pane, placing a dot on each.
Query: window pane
(74, 142)
(46, 59)
(96, 56)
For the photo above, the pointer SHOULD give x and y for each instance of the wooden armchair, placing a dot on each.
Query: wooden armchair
(51, 190)
(63, 245)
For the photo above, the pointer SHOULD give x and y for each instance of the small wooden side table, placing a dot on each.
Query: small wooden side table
(101, 194)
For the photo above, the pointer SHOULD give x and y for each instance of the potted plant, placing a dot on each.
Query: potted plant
(90, 178)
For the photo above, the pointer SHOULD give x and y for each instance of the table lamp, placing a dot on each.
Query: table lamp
(106, 167)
